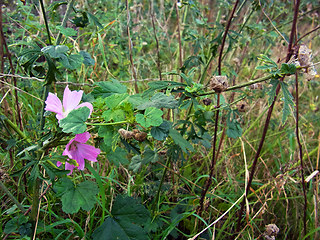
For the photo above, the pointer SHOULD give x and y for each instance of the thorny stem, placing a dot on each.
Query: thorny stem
(301, 159)
(267, 122)
(130, 50)
(213, 160)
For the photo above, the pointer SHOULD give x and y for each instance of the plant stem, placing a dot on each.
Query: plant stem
(263, 79)
(6, 190)
(17, 130)
(301, 160)
(64, 20)
(213, 159)
(156, 200)
(267, 122)
(45, 21)
(106, 124)
(134, 73)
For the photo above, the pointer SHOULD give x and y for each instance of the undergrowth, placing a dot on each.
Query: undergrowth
(197, 120)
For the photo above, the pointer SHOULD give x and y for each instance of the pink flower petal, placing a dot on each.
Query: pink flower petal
(86, 104)
(59, 164)
(53, 104)
(88, 152)
(71, 99)
(82, 137)
(70, 167)
(79, 158)
(67, 151)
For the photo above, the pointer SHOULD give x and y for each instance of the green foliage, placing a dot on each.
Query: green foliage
(287, 101)
(75, 121)
(180, 141)
(105, 89)
(156, 143)
(151, 117)
(127, 219)
(74, 197)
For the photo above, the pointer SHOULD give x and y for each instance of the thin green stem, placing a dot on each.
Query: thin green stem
(239, 85)
(64, 20)
(106, 124)
(7, 191)
(156, 200)
(45, 21)
(17, 130)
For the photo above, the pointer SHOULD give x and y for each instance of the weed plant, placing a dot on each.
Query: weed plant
(195, 119)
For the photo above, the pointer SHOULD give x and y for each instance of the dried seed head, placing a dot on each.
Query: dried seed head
(219, 83)
(271, 232)
(304, 56)
(140, 136)
(256, 86)
(207, 101)
(242, 106)
(125, 133)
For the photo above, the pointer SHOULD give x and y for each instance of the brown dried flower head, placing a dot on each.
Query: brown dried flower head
(242, 106)
(271, 232)
(219, 83)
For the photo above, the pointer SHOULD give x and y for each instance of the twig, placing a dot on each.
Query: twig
(303, 36)
(275, 28)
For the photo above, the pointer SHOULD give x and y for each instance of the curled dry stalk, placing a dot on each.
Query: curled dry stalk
(214, 154)
(267, 122)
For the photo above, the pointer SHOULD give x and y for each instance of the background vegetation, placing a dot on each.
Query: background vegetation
(185, 152)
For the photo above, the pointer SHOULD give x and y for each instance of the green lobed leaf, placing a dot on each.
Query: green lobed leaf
(161, 132)
(288, 101)
(127, 221)
(272, 92)
(71, 62)
(180, 141)
(55, 51)
(106, 89)
(151, 117)
(73, 198)
(118, 156)
(68, 32)
(75, 121)
(136, 163)
(288, 69)
(87, 59)
(160, 100)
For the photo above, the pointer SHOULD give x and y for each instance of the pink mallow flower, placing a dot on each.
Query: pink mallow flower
(71, 100)
(77, 150)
